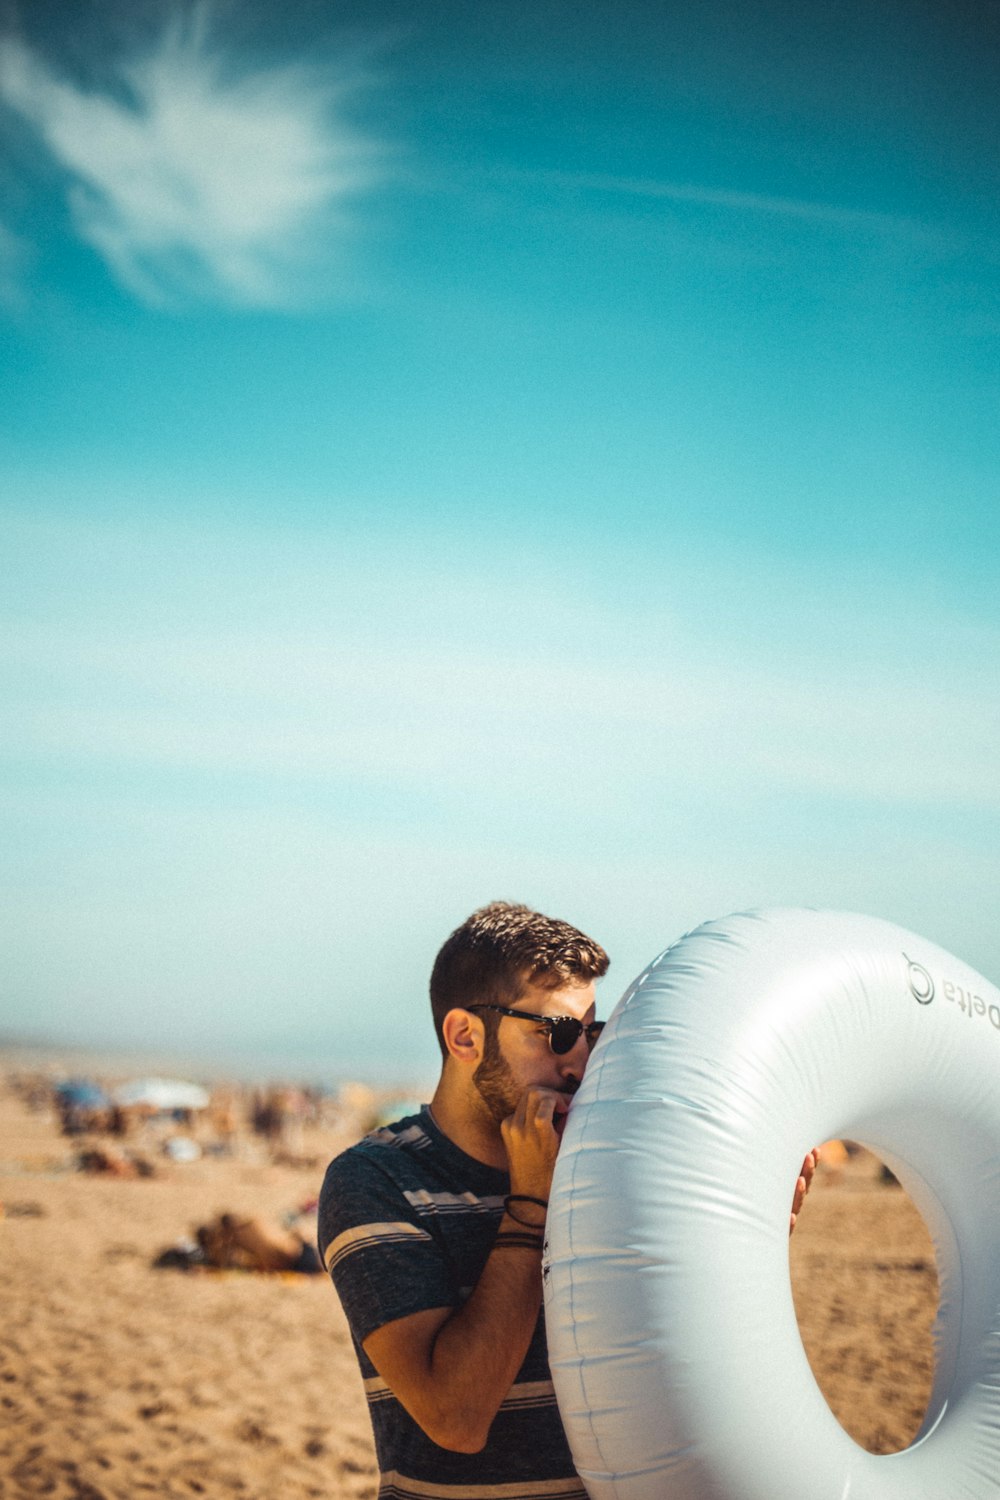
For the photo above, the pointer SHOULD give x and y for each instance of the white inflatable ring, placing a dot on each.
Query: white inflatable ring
(675, 1351)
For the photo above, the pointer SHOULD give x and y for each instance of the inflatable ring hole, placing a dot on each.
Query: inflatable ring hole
(865, 1287)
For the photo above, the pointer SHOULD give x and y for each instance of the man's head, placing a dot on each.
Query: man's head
(504, 958)
(500, 951)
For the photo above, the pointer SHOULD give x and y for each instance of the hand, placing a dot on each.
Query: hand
(531, 1138)
(803, 1185)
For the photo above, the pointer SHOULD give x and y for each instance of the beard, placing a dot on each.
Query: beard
(494, 1081)
(497, 1088)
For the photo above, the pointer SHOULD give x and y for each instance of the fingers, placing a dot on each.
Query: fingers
(802, 1185)
(537, 1106)
(798, 1197)
(541, 1109)
(540, 1105)
(531, 1139)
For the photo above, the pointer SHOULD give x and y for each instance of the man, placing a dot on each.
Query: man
(432, 1229)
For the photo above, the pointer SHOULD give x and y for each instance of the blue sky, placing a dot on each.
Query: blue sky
(455, 452)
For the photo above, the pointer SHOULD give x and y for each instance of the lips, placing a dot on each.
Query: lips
(559, 1119)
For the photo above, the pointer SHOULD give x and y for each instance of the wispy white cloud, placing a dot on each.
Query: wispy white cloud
(702, 195)
(198, 177)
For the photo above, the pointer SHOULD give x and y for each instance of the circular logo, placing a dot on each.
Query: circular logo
(920, 982)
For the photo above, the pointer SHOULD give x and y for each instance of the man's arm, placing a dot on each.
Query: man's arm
(452, 1367)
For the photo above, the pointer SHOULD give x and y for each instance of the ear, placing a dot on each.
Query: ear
(464, 1036)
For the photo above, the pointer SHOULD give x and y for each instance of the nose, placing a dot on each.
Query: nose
(573, 1062)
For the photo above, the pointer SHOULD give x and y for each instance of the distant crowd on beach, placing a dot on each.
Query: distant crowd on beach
(142, 1128)
(127, 1130)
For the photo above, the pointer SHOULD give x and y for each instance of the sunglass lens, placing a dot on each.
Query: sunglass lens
(564, 1034)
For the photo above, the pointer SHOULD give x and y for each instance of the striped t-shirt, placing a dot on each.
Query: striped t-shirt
(406, 1222)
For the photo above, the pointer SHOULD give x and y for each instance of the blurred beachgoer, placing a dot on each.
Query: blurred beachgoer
(112, 1161)
(256, 1244)
(271, 1115)
(223, 1122)
(432, 1227)
(247, 1243)
(82, 1106)
(260, 1114)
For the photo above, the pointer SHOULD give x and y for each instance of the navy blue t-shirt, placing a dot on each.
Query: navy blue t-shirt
(406, 1223)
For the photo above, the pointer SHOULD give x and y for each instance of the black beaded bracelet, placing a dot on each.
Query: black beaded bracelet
(523, 1198)
(509, 1239)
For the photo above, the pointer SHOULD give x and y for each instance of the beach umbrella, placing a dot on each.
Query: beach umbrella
(81, 1093)
(162, 1094)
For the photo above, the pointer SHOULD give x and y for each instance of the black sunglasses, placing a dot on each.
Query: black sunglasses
(563, 1031)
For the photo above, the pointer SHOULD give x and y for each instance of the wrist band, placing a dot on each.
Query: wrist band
(524, 1198)
(510, 1239)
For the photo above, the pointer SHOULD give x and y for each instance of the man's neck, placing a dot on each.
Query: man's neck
(467, 1124)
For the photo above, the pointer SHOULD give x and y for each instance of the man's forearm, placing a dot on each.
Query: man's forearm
(452, 1377)
(480, 1349)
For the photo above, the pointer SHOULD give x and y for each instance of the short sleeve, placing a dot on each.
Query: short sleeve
(383, 1261)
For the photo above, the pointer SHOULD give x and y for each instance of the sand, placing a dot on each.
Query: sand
(118, 1380)
(865, 1287)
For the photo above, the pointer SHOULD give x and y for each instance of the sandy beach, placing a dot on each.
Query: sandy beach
(119, 1380)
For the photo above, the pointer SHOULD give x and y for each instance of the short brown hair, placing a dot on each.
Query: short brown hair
(501, 948)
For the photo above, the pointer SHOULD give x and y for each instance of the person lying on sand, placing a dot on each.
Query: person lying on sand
(254, 1244)
(110, 1161)
(245, 1243)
